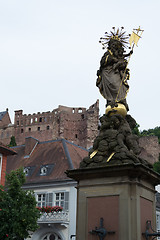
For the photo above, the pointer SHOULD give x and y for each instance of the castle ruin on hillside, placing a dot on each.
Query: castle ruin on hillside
(78, 125)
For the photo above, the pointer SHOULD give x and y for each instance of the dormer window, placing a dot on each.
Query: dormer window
(46, 169)
(43, 170)
(26, 170)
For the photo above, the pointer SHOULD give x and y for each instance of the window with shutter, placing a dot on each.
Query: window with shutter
(62, 199)
(66, 201)
(49, 199)
(44, 199)
(41, 200)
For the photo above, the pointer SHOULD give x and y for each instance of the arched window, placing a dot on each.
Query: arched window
(80, 110)
(82, 116)
(51, 236)
(43, 170)
(26, 171)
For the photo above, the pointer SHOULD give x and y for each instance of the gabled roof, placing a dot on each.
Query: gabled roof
(57, 155)
(6, 150)
(2, 114)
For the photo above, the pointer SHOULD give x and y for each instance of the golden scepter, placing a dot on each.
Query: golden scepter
(134, 38)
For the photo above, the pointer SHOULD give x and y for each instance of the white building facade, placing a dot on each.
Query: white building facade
(45, 164)
(59, 225)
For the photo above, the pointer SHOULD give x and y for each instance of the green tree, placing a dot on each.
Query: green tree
(152, 132)
(136, 130)
(156, 166)
(18, 212)
(12, 142)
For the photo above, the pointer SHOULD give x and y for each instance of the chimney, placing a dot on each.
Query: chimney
(30, 144)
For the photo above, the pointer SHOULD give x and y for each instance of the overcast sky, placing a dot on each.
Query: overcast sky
(50, 53)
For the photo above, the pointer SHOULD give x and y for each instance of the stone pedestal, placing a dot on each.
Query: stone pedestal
(123, 195)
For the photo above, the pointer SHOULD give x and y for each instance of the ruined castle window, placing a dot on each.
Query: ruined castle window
(79, 110)
(58, 121)
(1, 134)
(21, 130)
(48, 127)
(38, 128)
(45, 119)
(82, 116)
(31, 120)
(73, 110)
(40, 119)
(21, 122)
(29, 129)
(17, 123)
(76, 136)
(35, 120)
(7, 134)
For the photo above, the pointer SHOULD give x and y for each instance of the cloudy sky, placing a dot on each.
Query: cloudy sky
(50, 53)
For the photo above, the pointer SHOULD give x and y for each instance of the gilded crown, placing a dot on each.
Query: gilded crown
(119, 35)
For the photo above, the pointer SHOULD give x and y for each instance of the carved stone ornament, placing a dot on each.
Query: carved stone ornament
(115, 143)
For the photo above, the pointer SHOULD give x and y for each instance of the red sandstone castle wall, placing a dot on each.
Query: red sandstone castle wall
(150, 148)
(77, 125)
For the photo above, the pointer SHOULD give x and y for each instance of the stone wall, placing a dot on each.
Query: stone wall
(78, 125)
(150, 148)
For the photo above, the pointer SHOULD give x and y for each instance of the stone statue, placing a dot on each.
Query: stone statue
(115, 143)
(113, 72)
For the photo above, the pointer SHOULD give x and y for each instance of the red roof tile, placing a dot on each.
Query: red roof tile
(59, 153)
(6, 150)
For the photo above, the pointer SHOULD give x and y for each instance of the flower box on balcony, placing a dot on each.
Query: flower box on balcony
(49, 209)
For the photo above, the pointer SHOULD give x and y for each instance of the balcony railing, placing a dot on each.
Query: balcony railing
(54, 217)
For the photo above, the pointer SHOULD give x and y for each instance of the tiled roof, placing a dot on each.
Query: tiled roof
(59, 154)
(6, 150)
(2, 114)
